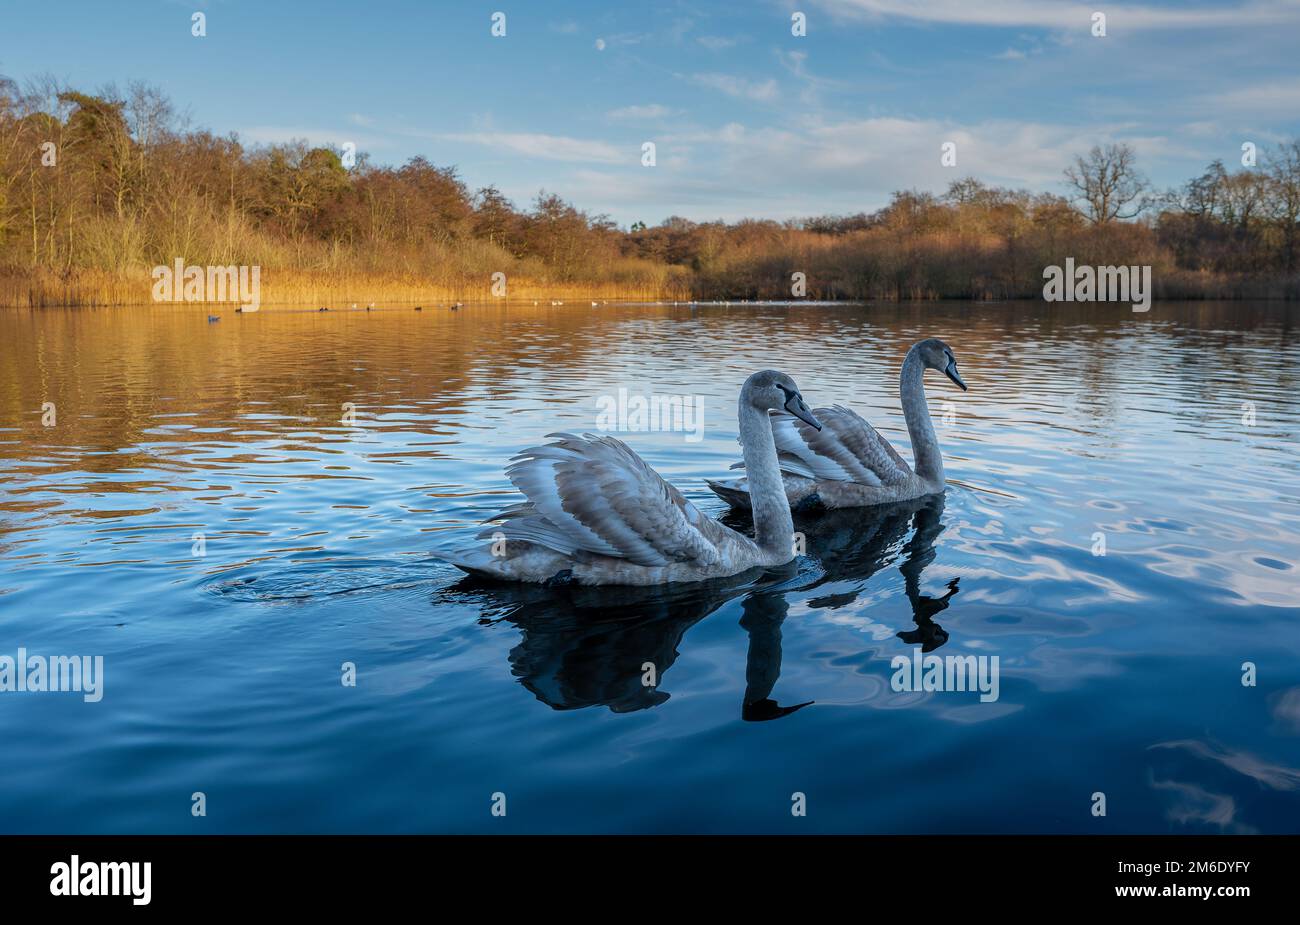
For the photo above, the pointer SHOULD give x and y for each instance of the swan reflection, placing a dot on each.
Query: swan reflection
(582, 647)
(851, 547)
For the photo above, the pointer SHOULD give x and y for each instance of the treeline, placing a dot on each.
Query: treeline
(95, 190)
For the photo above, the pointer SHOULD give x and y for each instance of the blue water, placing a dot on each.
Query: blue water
(1120, 674)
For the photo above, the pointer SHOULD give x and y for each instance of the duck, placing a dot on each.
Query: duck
(846, 463)
(595, 513)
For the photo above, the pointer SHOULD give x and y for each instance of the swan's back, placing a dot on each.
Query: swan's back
(594, 495)
(846, 449)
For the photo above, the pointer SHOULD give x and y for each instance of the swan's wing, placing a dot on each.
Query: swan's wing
(846, 449)
(594, 494)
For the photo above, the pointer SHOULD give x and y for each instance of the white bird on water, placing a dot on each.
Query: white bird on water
(846, 463)
(596, 514)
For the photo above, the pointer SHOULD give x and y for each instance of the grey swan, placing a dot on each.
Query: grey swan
(596, 514)
(845, 463)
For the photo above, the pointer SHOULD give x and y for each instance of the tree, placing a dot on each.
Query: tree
(1202, 196)
(1284, 173)
(496, 220)
(1108, 183)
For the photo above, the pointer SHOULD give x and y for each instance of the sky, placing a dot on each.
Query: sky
(747, 119)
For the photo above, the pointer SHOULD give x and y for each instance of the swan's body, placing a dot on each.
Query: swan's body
(597, 514)
(847, 463)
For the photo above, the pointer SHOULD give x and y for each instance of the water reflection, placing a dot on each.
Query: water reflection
(1083, 419)
(851, 547)
(764, 612)
(582, 647)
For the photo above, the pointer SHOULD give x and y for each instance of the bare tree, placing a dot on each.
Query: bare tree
(1243, 198)
(1108, 183)
(1203, 195)
(1284, 174)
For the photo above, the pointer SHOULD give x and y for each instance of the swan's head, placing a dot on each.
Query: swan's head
(935, 354)
(773, 390)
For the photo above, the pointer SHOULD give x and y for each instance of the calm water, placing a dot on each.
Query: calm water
(1120, 674)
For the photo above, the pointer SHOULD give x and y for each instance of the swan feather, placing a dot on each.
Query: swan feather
(593, 494)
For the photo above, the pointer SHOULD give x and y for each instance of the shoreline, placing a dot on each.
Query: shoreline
(100, 289)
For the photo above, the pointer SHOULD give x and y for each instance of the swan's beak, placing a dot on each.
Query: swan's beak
(794, 404)
(951, 372)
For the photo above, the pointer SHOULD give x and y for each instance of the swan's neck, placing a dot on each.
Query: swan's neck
(925, 448)
(773, 526)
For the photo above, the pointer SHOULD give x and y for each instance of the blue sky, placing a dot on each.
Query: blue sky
(747, 119)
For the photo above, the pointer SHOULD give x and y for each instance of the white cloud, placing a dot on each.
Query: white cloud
(649, 111)
(716, 42)
(841, 166)
(1280, 96)
(546, 147)
(739, 87)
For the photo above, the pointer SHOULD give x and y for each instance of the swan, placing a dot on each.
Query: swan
(848, 464)
(597, 514)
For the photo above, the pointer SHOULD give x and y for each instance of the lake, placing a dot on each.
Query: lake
(228, 512)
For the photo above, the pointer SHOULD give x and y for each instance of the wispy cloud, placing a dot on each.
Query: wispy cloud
(322, 137)
(546, 147)
(844, 165)
(717, 42)
(622, 38)
(1040, 14)
(648, 112)
(739, 87)
(1281, 97)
